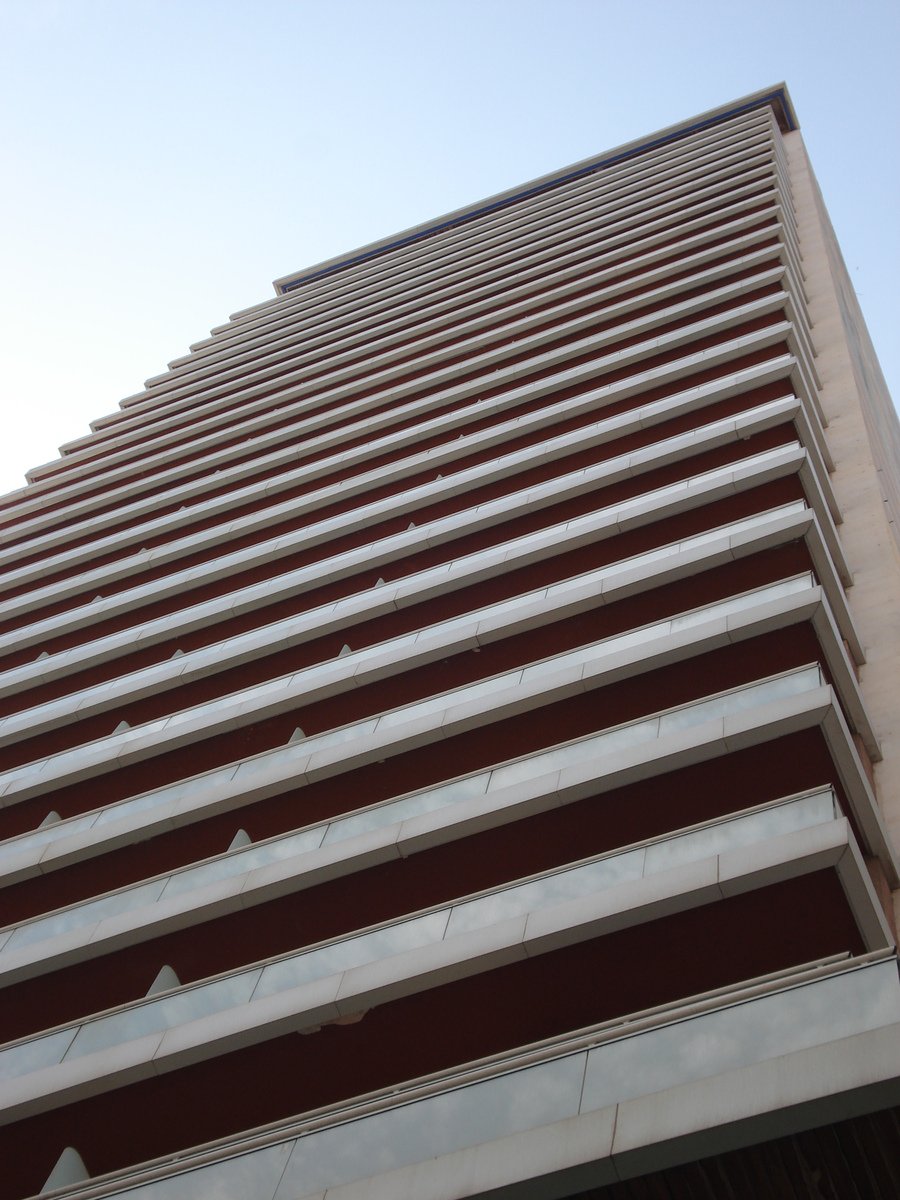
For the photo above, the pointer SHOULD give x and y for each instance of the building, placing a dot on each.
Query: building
(449, 720)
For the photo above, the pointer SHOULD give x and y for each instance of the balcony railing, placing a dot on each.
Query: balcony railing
(599, 1071)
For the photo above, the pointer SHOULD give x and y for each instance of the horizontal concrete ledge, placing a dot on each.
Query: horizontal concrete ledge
(739, 1108)
(504, 468)
(227, 789)
(593, 666)
(577, 1148)
(70, 466)
(366, 985)
(761, 530)
(785, 1095)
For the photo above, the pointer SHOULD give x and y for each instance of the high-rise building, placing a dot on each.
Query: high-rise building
(450, 726)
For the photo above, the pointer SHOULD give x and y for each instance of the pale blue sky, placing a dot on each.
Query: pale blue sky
(165, 160)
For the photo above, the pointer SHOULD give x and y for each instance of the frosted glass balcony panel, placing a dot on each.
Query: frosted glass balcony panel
(86, 914)
(138, 804)
(253, 1176)
(46, 835)
(238, 863)
(774, 689)
(30, 842)
(571, 753)
(779, 1023)
(435, 706)
(456, 792)
(342, 735)
(32, 1056)
(157, 1016)
(741, 699)
(736, 604)
(589, 749)
(586, 879)
(716, 839)
(341, 956)
(504, 1105)
(623, 1066)
(553, 889)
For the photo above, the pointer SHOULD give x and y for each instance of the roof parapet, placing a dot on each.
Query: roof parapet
(776, 98)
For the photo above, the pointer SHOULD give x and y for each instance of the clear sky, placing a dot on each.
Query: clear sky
(164, 160)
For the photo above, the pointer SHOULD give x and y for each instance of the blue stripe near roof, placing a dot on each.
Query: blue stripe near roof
(770, 98)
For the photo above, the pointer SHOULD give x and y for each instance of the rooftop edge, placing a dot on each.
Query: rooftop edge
(777, 98)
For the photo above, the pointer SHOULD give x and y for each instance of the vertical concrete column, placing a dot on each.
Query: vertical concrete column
(862, 430)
